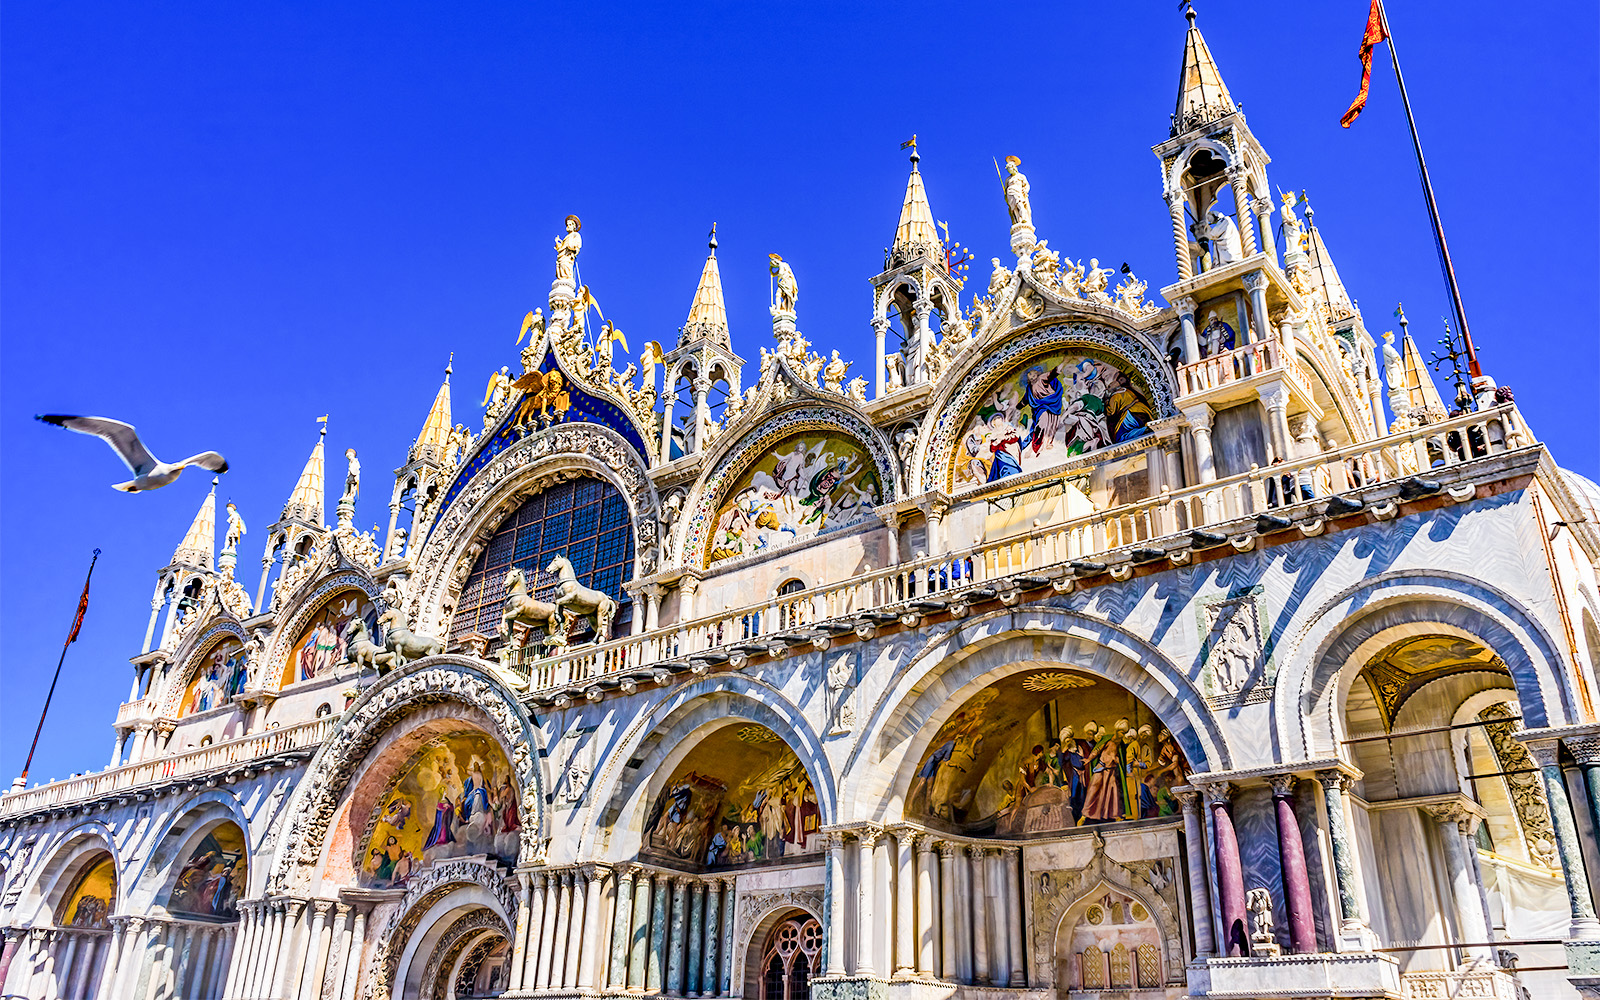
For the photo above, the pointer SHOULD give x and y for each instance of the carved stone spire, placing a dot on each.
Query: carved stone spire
(917, 232)
(435, 436)
(306, 502)
(708, 315)
(1420, 392)
(1202, 96)
(199, 544)
(1322, 273)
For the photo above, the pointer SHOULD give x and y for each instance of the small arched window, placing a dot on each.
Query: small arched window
(792, 613)
(324, 709)
(206, 740)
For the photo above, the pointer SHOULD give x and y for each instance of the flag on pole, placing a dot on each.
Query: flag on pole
(1377, 31)
(910, 143)
(83, 606)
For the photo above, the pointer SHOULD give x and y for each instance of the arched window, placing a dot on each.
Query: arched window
(792, 614)
(790, 959)
(585, 520)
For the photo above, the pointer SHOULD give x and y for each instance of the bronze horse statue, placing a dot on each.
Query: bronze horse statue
(522, 606)
(360, 649)
(403, 644)
(575, 597)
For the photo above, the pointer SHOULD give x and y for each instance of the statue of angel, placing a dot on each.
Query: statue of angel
(784, 289)
(567, 248)
(534, 321)
(459, 443)
(833, 373)
(1130, 294)
(494, 397)
(1072, 278)
(605, 343)
(236, 528)
(352, 476)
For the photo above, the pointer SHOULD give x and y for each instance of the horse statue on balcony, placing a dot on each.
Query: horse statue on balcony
(522, 606)
(575, 597)
(360, 649)
(403, 644)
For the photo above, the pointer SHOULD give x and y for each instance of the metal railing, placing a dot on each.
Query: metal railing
(201, 760)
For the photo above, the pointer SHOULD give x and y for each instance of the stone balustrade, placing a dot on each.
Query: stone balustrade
(203, 760)
(1392, 468)
(1259, 358)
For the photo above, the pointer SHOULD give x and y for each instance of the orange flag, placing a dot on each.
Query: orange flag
(1375, 33)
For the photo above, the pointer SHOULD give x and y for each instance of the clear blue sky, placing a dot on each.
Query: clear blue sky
(223, 220)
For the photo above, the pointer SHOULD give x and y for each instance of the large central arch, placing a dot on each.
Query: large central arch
(958, 664)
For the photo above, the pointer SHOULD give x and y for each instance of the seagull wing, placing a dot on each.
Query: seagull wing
(122, 438)
(208, 460)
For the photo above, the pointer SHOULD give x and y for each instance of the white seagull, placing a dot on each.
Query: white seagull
(148, 472)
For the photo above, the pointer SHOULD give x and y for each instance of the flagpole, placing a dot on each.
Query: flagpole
(22, 779)
(1433, 207)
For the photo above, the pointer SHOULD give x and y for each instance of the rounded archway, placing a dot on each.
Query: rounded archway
(219, 674)
(1046, 750)
(319, 646)
(785, 955)
(1109, 940)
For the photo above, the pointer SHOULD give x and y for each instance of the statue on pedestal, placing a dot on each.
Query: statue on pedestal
(567, 248)
(784, 288)
(1015, 184)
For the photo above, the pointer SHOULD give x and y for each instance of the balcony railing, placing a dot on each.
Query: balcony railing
(1045, 548)
(1258, 358)
(203, 760)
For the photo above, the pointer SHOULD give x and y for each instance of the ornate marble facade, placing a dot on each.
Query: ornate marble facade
(1105, 648)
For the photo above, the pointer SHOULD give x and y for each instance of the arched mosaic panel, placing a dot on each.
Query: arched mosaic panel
(92, 897)
(319, 649)
(221, 674)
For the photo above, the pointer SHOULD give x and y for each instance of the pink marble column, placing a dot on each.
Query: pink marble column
(1230, 873)
(1292, 857)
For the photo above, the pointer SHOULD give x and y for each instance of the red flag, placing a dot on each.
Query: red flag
(77, 623)
(1375, 33)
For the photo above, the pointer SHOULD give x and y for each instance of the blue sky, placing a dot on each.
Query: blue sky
(223, 220)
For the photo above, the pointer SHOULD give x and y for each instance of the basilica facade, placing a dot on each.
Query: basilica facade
(1079, 646)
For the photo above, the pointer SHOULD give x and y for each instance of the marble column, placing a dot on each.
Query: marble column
(590, 947)
(1194, 836)
(288, 949)
(1186, 306)
(316, 950)
(621, 931)
(1263, 209)
(1275, 398)
(246, 931)
(695, 950)
(675, 946)
(357, 952)
(571, 967)
(108, 966)
(346, 949)
(1180, 234)
(658, 937)
(1586, 751)
(67, 950)
(948, 967)
(1584, 925)
(926, 966)
(1230, 873)
(1472, 923)
(702, 412)
(1255, 284)
(980, 915)
(557, 966)
(1010, 857)
(544, 954)
(905, 909)
(261, 978)
(729, 893)
(866, 912)
(714, 918)
(639, 937)
(519, 943)
(1205, 465)
(879, 328)
(197, 967)
(838, 900)
(1353, 932)
(1292, 859)
(1241, 203)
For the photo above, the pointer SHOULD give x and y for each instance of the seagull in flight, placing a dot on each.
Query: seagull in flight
(148, 472)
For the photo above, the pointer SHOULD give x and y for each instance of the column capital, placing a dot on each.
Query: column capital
(1274, 395)
(868, 837)
(1262, 206)
(1010, 852)
(1584, 749)
(1186, 305)
(1199, 417)
(948, 850)
(923, 842)
(1174, 199)
(1335, 780)
(1255, 281)
(1546, 752)
(320, 907)
(1218, 793)
(1283, 785)
(976, 851)
(294, 907)
(1188, 797)
(1463, 816)
(880, 324)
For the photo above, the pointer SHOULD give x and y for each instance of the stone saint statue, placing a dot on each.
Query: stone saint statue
(1016, 186)
(567, 248)
(236, 528)
(784, 289)
(1294, 235)
(1223, 233)
(352, 476)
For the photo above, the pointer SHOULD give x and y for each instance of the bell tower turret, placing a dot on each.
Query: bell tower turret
(702, 373)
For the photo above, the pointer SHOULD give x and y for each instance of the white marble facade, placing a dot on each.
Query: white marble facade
(1096, 649)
